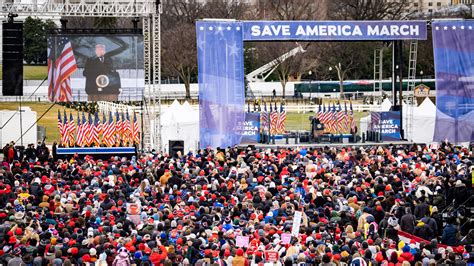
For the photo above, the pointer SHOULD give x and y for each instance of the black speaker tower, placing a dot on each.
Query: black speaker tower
(12, 57)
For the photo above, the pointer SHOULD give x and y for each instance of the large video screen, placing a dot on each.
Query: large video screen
(95, 68)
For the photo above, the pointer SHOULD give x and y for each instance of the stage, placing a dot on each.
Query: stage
(320, 145)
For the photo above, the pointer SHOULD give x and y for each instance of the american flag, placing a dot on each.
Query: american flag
(340, 117)
(347, 121)
(118, 128)
(79, 131)
(65, 133)
(60, 126)
(95, 132)
(89, 131)
(125, 129)
(374, 120)
(135, 130)
(109, 132)
(273, 120)
(282, 119)
(353, 122)
(104, 127)
(264, 117)
(71, 130)
(322, 116)
(61, 65)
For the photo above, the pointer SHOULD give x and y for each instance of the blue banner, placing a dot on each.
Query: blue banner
(221, 82)
(249, 130)
(453, 44)
(388, 125)
(334, 30)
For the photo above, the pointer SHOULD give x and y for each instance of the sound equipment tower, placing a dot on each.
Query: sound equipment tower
(12, 58)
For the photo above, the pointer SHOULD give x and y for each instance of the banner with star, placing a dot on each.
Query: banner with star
(453, 44)
(221, 82)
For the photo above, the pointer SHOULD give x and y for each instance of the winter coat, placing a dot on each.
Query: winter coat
(449, 235)
(407, 223)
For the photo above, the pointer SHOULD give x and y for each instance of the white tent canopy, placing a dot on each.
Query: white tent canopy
(180, 122)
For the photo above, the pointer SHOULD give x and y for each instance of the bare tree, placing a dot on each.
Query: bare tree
(179, 54)
(368, 9)
(226, 9)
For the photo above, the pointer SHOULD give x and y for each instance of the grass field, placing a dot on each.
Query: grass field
(49, 121)
(294, 121)
(32, 72)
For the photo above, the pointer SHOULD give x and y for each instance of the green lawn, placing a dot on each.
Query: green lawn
(50, 120)
(32, 72)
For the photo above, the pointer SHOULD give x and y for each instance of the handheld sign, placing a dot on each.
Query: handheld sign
(242, 241)
(295, 230)
(271, 256)
(285, 239)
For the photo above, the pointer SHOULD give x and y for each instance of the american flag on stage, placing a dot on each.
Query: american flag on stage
(79, 131)
(347, 121)
(89, 131)
(328, 118)
(282, 120)
(340, 117)
(96, 128)
(85, 127)
(322, 116)
(65, 133)
(264, 117)
(374, 120)
(125, 129)
(135, 130)
(71, 130)
(60, 126)
(273, 120)
(118, 128)
(61, 65)
(109, 132)
(352, 118)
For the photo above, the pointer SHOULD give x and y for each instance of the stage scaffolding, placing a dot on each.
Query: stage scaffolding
(148, 10)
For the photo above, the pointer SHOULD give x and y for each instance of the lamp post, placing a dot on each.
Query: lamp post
(421, 75)
(310, 88)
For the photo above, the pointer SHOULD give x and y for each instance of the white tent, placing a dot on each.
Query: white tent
(424, 118)
(180, 122)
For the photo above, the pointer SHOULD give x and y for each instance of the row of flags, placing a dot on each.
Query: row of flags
(90, 132)
(273, 119)
(336, 119)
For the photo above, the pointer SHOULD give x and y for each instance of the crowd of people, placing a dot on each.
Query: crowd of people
(380, 205)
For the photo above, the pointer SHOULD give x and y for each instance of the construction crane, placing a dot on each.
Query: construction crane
(262, 73)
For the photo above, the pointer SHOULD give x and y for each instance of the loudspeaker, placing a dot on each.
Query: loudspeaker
(12, 59)
(175, 146)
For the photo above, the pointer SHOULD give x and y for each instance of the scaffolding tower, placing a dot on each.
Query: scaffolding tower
(148, 10)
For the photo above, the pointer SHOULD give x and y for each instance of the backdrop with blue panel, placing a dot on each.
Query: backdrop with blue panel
(453, 44)
(221, 57)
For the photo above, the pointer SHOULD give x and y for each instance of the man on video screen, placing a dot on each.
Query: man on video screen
(102, 81)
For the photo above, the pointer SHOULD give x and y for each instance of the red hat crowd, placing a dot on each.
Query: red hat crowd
(381, 205)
